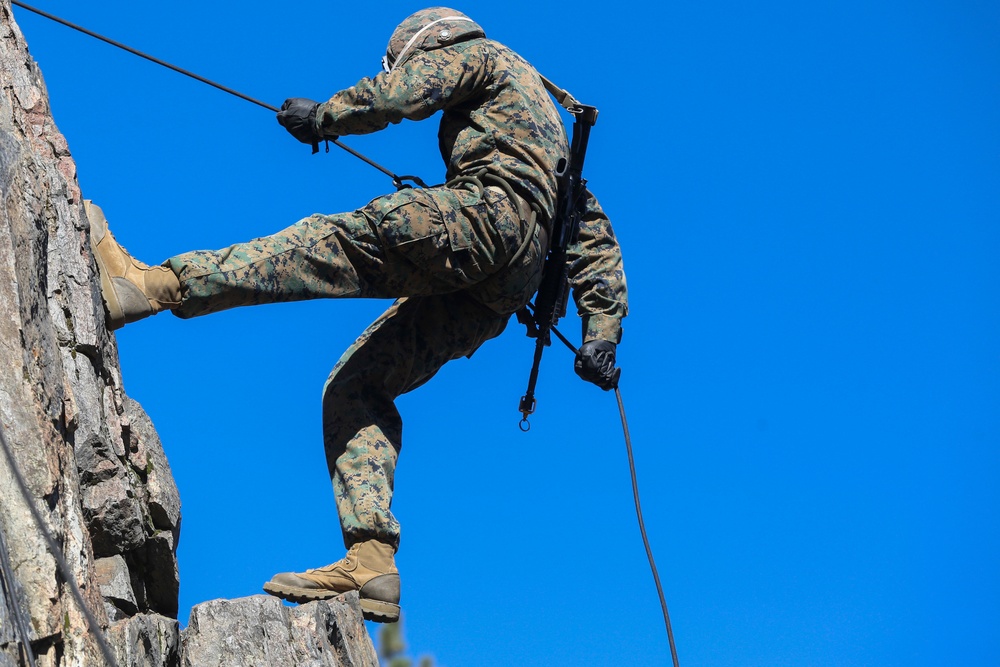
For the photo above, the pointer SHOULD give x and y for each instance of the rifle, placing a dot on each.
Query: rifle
(550, 302)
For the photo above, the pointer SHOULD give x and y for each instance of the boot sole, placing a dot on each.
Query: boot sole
(372, 610)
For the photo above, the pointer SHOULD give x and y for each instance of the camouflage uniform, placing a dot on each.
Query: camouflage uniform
(458, 259)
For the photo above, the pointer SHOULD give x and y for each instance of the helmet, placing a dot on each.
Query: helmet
(429, 29)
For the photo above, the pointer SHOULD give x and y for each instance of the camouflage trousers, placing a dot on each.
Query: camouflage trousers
(450, 257)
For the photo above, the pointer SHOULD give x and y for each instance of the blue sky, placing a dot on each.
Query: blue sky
(808, 198)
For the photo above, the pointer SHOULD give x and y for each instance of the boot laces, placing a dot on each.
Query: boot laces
(344, 563)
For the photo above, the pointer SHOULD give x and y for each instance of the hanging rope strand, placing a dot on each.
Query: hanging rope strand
(642, 529)
(56, 552)
(638, 510)
(397, 180)
(136, 52)
(9, 589)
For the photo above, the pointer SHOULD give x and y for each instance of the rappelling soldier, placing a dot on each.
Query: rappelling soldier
(458, 259)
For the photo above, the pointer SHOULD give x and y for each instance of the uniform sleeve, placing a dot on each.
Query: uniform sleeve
(597, 276)
(424, 83)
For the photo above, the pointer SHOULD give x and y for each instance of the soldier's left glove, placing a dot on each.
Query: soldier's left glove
(595, 362)
(298, 116)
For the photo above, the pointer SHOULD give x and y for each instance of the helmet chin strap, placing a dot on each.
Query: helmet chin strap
(399, 58)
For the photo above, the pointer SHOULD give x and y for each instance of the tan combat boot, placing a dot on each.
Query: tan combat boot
(367, 568)
(131, 290)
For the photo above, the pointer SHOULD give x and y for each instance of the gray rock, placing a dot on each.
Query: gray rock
(147, 640)
(36, 402)
(159, 573)
(8, 656)
(112, 576)
(164, 501)
(113, 517)
(8, 634)
(61, 403)
(92, 462)
(260, 631)
(95, 459)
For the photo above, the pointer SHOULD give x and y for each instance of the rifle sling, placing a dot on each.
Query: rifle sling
(563, 97)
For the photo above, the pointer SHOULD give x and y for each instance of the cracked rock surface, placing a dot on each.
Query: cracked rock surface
(90, 456)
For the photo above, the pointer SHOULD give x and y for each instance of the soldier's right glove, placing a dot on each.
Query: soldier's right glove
(595, 362)
(298, 116)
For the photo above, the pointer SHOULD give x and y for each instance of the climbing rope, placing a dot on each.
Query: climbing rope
(642, 529)
(638, 508)
(398, 181)
(20, 620)
(57, 554)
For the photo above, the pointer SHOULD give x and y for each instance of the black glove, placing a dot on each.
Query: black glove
(595, 362)
(298, 116)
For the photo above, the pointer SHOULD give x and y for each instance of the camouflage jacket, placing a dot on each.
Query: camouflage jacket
(597, 276)
(496, 114)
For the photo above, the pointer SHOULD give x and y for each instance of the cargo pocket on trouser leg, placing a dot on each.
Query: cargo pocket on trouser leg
(428, 238)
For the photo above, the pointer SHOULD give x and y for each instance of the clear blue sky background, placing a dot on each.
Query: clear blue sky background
(808, 197)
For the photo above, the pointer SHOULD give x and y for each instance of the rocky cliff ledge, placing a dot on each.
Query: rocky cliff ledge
(90, 456)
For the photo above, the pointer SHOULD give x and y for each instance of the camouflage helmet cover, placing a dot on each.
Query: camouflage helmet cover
(429, 29)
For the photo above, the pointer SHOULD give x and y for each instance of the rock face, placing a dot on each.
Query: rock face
(319, 634)
(91, 460)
